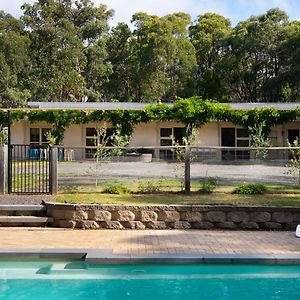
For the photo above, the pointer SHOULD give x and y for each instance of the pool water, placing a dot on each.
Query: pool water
(77, 280)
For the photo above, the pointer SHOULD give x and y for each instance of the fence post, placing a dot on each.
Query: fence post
(53, 170)
(187, 170)
(2, 170)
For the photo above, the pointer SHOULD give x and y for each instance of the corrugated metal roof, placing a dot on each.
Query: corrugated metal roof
(141, 106)
(279, 106)
(89, 105)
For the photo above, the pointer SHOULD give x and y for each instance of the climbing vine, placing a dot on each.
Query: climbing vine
(192, 112)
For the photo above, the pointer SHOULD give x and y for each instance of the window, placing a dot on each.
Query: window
(91, 140)
(167, 136)
(38, 136)
(235, 137)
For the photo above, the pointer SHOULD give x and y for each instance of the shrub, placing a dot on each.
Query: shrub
(148, 187)
(250, 189)
(208, 186)
(116, 190)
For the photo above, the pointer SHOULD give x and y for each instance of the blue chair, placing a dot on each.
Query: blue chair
(33, 154)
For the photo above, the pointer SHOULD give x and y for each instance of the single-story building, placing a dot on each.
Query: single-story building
(80, 139)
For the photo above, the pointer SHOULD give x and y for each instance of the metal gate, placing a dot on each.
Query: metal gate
(29, 169)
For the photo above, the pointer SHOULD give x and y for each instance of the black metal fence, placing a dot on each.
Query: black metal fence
(29, 169)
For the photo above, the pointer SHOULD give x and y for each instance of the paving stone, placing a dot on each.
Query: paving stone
(215, 216)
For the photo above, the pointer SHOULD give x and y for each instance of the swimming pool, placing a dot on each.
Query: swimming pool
(78, 280)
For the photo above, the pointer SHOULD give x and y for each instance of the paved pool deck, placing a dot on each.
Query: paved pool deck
(153, 241)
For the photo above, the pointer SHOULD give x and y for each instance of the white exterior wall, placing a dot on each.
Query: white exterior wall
(18, 133)
(209, 134)
(144, 134)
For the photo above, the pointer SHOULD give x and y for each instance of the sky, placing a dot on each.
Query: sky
(236, 10)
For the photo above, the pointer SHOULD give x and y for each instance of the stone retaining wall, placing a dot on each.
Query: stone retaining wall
(173, 217)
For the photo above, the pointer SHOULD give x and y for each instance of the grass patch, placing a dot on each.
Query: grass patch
(181, 199)
(145, 193)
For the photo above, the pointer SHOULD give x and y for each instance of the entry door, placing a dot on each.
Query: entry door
(179, 134)
(293, 134)
(228, 138)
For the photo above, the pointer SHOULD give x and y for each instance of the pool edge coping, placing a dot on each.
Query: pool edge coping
(107, 257)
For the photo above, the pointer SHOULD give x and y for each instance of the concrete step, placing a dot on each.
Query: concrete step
(25, 219)
(8, 207)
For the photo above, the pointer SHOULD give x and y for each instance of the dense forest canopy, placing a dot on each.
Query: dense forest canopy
(65, 50)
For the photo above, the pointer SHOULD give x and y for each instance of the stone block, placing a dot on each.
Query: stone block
(147, 216)
(290, 226)
(169, 216)
(133, 225)
(215, 216)
(181, 225)
(296, 218)
(57, 214)
(227, 225)
(282, 217)
(99, 215)
(272, 225)
(157, 225)
(192, 216)
(64, 224)
(123, 215)
(260, 217)
(111, 225)
(238, 216)
(202, 225)
(249, 225)
(76, 215)
(87, 224)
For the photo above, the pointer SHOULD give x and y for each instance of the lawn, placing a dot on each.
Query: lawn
(169, 193)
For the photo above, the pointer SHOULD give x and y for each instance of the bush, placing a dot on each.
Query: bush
(148, 187)
(208, 186)
(250, 189)
(116, 190)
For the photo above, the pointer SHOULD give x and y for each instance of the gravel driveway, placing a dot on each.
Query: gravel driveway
(76, 173)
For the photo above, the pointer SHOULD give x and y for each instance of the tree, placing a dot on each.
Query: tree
(67, 49)
(209, 36)
(14, 60)
(254, 65)
(289, 77)
(120, 55)
(164, 56)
